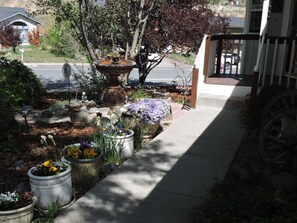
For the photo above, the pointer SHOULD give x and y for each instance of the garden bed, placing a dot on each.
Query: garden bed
(20, 148)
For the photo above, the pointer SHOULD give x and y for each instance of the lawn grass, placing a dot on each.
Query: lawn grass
(35, 55)
(185, 59)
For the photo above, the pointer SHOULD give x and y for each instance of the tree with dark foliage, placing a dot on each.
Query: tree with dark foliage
(181, 24)
(9, 37)
(138, 26)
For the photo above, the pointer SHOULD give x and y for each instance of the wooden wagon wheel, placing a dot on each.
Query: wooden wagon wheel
(281, 101)
(278, 140)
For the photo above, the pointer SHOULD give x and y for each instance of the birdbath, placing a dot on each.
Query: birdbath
(113, 68)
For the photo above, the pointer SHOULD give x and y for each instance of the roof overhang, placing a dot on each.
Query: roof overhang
(19, 13)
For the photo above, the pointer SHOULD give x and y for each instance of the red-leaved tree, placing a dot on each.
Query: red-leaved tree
(9, 37)
(33, 37)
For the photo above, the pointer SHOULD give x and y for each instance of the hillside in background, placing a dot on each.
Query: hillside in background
(224, 8)
(229, 10)
(14, 3)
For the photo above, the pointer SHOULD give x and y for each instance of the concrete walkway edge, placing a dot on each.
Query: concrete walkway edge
(167, 177)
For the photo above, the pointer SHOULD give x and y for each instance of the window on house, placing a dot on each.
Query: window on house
(23, 29)
(256, 15)
(255, 21)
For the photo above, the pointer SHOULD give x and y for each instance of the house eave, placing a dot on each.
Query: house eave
(19, 13)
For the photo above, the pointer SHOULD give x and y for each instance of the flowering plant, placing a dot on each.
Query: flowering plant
(50, 167)
(84, 150)
(149, 111)
(114, 125)
(14, 200)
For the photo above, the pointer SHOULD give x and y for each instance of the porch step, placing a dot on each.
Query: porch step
(223, 96)
(219, 101)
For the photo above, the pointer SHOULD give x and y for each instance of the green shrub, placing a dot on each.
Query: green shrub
(19, 86)
(228, 204)
(61, 40)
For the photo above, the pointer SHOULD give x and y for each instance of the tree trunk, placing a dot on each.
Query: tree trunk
(142, 75)
(86, 41)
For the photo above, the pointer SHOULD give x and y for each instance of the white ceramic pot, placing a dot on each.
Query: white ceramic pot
(49, 189)
(124, 144)
(24, 214)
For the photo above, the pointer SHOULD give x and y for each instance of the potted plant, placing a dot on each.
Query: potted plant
(16, 207)
(147, 113)
(51, 180)
(116, 131)
(86, 160)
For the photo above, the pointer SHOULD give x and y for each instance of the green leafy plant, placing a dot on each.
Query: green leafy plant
(14, 200)
(138, 136)
(107, 147)
(49, 215)
(139, 93)
(50, 167)
(19, 86)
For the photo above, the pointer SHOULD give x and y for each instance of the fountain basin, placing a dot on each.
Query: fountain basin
(113, 69)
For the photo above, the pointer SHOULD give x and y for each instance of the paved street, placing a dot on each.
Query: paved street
(52, 78)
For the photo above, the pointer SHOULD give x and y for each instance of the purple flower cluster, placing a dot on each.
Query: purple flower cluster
(149, 110)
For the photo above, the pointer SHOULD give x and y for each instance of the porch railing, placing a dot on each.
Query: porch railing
(222, 55)
(228, 52)
(278, 62)
(277, 59)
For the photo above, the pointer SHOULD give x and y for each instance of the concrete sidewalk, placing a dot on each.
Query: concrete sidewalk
(169, 176)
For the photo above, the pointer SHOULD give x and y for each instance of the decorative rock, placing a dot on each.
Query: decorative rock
(79, 116)
(47, 113)
(104, 111)
(61, 112)
(94, 110)
(83, 108)
(284, 181)
(74, 104)
(19, 162)
(55, 119)
(90, 103)
(161, 95)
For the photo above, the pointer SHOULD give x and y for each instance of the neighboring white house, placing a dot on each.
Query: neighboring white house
(20, 19)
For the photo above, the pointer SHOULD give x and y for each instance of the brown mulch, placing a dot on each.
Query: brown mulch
(20, 149)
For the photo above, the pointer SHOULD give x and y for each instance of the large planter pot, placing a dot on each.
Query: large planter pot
(124, 144)
(150, 130)
(23, 215)
(85, 169)
(49, 189)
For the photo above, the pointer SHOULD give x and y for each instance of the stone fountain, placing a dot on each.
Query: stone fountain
(113, 68)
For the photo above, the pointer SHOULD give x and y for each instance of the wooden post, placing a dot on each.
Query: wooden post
(219, 55)
(206, 58)
(255, 85)
(194, 87)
